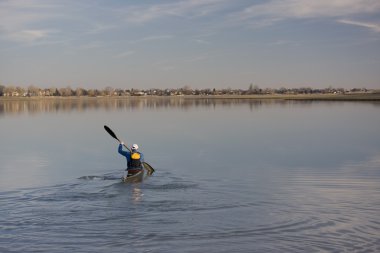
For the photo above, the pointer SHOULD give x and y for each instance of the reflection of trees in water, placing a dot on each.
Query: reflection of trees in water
(33, 106)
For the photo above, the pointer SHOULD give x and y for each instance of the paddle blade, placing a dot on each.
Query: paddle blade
(110, 132)
(149, 168)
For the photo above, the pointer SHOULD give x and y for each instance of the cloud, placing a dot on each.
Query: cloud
(27, 21)
(100, 28)
(372, 26)
(274, 11)
(153, 38)
(168, 68)
(23, 21)
(191, 8)
(284, 43)
(203, 42)
(92, 45)
(198, 58)
(313, 8)
(125, 54)
(28, 35)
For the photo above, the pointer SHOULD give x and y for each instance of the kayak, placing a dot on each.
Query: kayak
(136, 178)
(139, 176)
(149, 169)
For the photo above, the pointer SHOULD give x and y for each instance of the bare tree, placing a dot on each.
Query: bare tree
(66, 92)
(51, 91)
(33, 90)
(9, 90)
(79, 92)
(91, 93)
(20, 91)
(108, 91)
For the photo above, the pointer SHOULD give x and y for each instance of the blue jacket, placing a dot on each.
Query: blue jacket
(127, 154)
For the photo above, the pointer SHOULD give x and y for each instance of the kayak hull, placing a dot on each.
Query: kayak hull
(140, 176)
(136, 178)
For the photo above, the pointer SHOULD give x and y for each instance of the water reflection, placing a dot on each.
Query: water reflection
(53, 105)
(136, 194)
(284, 178)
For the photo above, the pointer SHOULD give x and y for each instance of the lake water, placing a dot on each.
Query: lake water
(231, 176)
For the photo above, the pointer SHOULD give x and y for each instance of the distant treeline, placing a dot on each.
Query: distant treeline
(33, 91)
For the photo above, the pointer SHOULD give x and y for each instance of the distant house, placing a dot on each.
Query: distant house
(46, 92)
(139, 93)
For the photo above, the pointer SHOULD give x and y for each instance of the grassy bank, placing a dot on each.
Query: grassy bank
(311, 97)
(316, 97)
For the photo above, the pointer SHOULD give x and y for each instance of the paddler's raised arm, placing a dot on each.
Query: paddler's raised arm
(121, 151)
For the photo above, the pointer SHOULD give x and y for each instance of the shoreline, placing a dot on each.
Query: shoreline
(307, 97)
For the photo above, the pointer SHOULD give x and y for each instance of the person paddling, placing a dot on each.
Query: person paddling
(134, 158)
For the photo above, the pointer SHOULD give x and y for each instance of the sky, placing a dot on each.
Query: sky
(195, 43)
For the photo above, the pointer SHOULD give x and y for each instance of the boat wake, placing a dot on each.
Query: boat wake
(99, 178)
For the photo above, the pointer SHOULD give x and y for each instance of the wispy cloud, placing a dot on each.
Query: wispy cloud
(165, 65)
(125, 54)
(204, 42)
(284, 43)
(28, 35)
(152, 38)
(168, 68)
(100, 28)
(21, 20)
(372, 26)
(92, 45)
(312, 8)
(198, 58)
(32, 21)
(274, 11)
(190, 8)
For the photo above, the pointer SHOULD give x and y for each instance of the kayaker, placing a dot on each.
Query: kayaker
(134, 159)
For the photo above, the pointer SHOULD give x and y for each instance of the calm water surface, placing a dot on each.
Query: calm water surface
(231, 176)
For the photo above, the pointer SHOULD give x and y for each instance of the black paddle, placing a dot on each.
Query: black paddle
(146, 165)
(114, 136)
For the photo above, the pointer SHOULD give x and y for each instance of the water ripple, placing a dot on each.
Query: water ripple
(101, 214)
